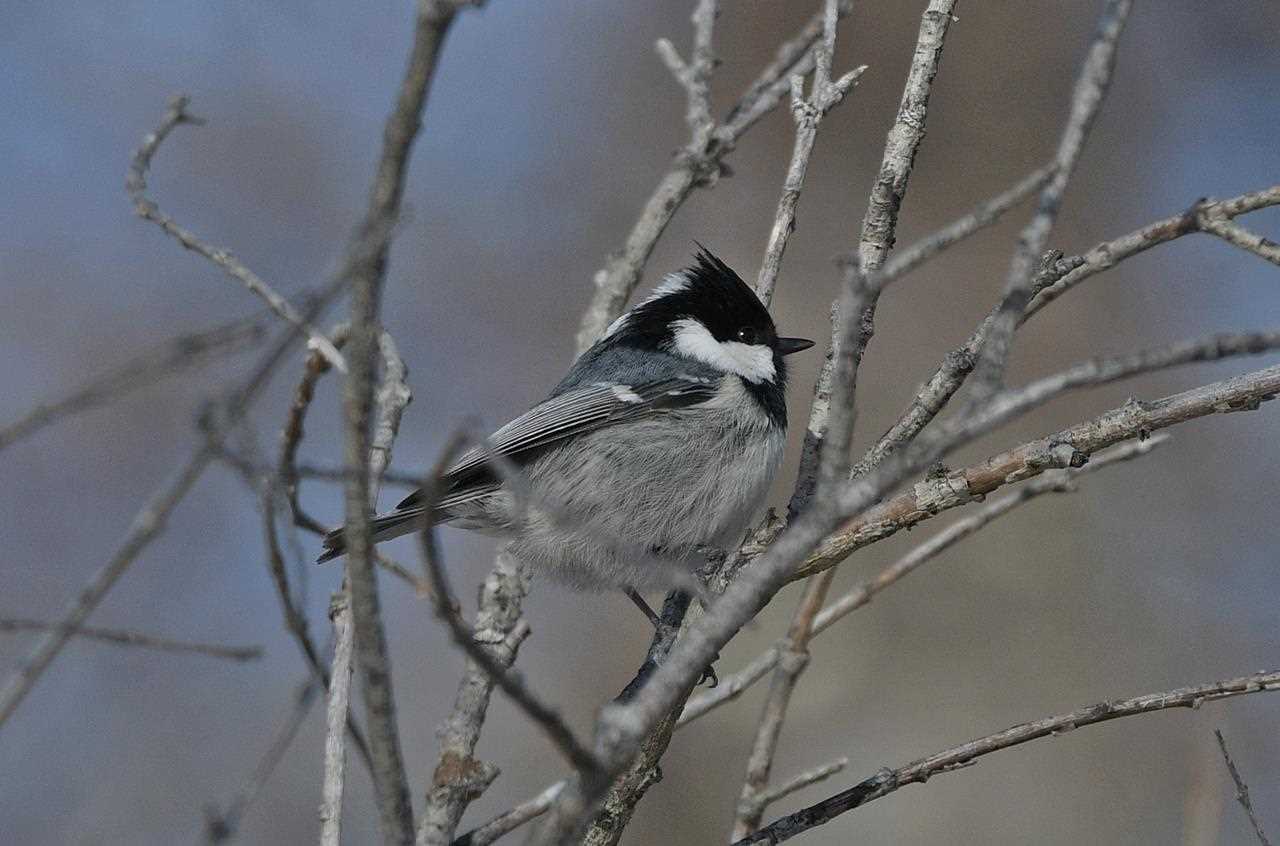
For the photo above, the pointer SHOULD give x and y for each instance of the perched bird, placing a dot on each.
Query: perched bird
(659, 444)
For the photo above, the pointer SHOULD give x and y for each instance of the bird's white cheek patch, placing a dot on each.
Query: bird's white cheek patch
(753, 362)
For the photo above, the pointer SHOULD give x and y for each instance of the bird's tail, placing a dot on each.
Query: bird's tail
(388, 526)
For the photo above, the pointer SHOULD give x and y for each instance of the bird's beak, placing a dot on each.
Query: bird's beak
(787, 346)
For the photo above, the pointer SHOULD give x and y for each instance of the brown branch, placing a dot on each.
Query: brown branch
(1054, 481)
(146, 208)
(172, 357)
(1090, 89)
(887, 781)
(123, 637)
(1242, 790)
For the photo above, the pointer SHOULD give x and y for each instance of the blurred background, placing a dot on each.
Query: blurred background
(548, 126)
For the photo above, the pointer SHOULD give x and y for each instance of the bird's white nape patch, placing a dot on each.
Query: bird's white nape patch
(672, 283)
(753, 362)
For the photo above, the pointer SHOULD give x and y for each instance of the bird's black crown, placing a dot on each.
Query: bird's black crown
(713, 295)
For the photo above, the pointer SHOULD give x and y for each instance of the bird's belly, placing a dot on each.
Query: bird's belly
(635, 508)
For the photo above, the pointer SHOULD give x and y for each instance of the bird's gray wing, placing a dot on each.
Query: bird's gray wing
(582, 409)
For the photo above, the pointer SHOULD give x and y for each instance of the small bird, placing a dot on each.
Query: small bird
(659, 445)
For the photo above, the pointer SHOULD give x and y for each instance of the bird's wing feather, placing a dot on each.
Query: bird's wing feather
(566, 415)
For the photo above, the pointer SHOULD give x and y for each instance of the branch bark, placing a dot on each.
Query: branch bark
(887, 781)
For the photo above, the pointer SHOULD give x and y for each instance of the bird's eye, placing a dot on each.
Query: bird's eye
(748, 335)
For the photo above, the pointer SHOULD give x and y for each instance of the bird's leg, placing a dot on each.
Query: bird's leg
(683, 599)
(635, 597)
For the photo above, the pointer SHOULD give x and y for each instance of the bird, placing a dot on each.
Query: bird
(658, 446)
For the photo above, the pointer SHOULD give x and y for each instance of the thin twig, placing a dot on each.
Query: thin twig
(172, 357)
(793, 657)
(887, 781)
(123, 637)
(800, 781)
(1090, 89)
(509, 821)
(1110, 253)
(146, 208)
(292, 433)
(1242, 790)
(1055, 481)
(1056, 277)
(695, 166)
(1068, 448)
(221, 825)
(148, 524)
(808, 114)
(1217, 223)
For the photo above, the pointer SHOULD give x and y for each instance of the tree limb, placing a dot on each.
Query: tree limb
(887, 781)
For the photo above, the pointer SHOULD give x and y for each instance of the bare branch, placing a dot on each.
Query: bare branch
(807, 113)
(623, 725)
(793, 657)
(1110, 253)
(695, 166)
(147, 525)
(981, 216)
(1057, 276)
(543, 715)
(295, 620)
(1068, 448)
(393, 397)
(367, 261)
(174, 356)
(123, 637)
(291, 435)
(854, 319)
(336, 717)
(808, 778)
(887, 781)
(459, 777)
(509, 821)
(1215, 222)
(1090, 90)
(221, 824)
(1056, 481)
(146, 208)
(1242, 790)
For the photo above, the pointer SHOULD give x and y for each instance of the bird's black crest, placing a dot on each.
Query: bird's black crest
(714, 295)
